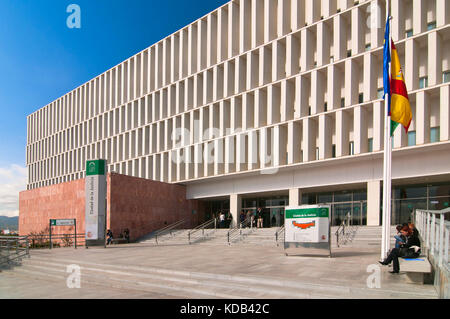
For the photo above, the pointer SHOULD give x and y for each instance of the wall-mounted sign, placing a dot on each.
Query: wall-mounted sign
(95, 189)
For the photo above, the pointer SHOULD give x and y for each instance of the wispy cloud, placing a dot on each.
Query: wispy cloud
(13, 179)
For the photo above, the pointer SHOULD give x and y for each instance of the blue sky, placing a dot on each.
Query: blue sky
(41, 59)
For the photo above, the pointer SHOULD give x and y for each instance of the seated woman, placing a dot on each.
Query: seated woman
(399, 238)
(411, 249)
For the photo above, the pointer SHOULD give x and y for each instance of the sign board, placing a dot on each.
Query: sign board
(95, 189)
(307, 230)
(62, 222)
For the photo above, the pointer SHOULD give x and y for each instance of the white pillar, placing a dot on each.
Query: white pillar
(445, 113)
(373, 203)
(295, 197)
(434, 59)
(235, 207)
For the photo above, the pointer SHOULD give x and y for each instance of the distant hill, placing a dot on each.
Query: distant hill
(11, 223)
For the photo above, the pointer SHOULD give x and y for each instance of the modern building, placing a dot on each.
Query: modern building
(266, 103)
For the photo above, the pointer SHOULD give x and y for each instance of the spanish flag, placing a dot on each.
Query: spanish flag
(400, 109)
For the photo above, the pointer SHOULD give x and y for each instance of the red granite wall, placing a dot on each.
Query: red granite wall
(141, 205)
(61, 201)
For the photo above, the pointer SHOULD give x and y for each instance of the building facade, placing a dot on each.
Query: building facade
(267, 103)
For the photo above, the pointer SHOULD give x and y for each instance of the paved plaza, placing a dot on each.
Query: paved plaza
(204, 271)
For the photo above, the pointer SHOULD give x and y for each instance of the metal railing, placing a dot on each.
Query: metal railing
(194, 234)
(167, 229)
(238, 232)
(56, 240)
(345, 232)
(435, 231)
(13, 249)
(279, 235)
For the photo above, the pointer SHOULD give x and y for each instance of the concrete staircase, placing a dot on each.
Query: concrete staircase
(175, 283)
(365, 236)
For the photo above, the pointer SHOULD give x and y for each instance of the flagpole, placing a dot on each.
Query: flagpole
(389, 189)
(385, 241)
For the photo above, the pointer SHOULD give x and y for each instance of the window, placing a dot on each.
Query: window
(342, 102)
(370, 146)
(325, 106)
(409, 33)
(411, 138)
(368, 47)
(351, 148)
(380, 93)
(446, 76)
(349, 53)
(423, 82)
(360, 98)
(333, 150)
(431, 25)
(435, 134)
(317, 153)
(309, 110)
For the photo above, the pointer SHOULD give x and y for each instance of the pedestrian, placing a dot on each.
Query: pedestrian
(109, 237)
(222, 220)
(242, 217)
(248, 217)
(411, 249)
(259, 217)
(252, 219)
(127, 234)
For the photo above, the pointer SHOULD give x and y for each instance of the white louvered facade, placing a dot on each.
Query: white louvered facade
(291, 85)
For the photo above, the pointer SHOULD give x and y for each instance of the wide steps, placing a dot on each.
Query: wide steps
(196, 284)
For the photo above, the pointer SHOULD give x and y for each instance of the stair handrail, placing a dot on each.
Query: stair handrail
(346, 231)
(167, 228)
(13, 248)
(236, 232)
(278, 234)
(202, 227)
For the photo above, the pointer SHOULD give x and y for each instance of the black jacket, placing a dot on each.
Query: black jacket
(412, 240)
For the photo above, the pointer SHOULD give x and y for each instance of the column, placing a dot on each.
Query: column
(373, 203)
(324, 137)
(235, 207)
(442, 12)
(445, 113)
(358, 36)
(370, 77)
(351, 83)
(294, 142)
(360, 130)
(306, 48)
(378, 126)
(422, 119)
(318, 92)
(342, 136)
(295, 197)
(412, 64)
(419, 16)
(398, 24)
(434, 59)
(340, 38)
(323, 44)
(309, 140)
(333, 88)
(292, 55)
